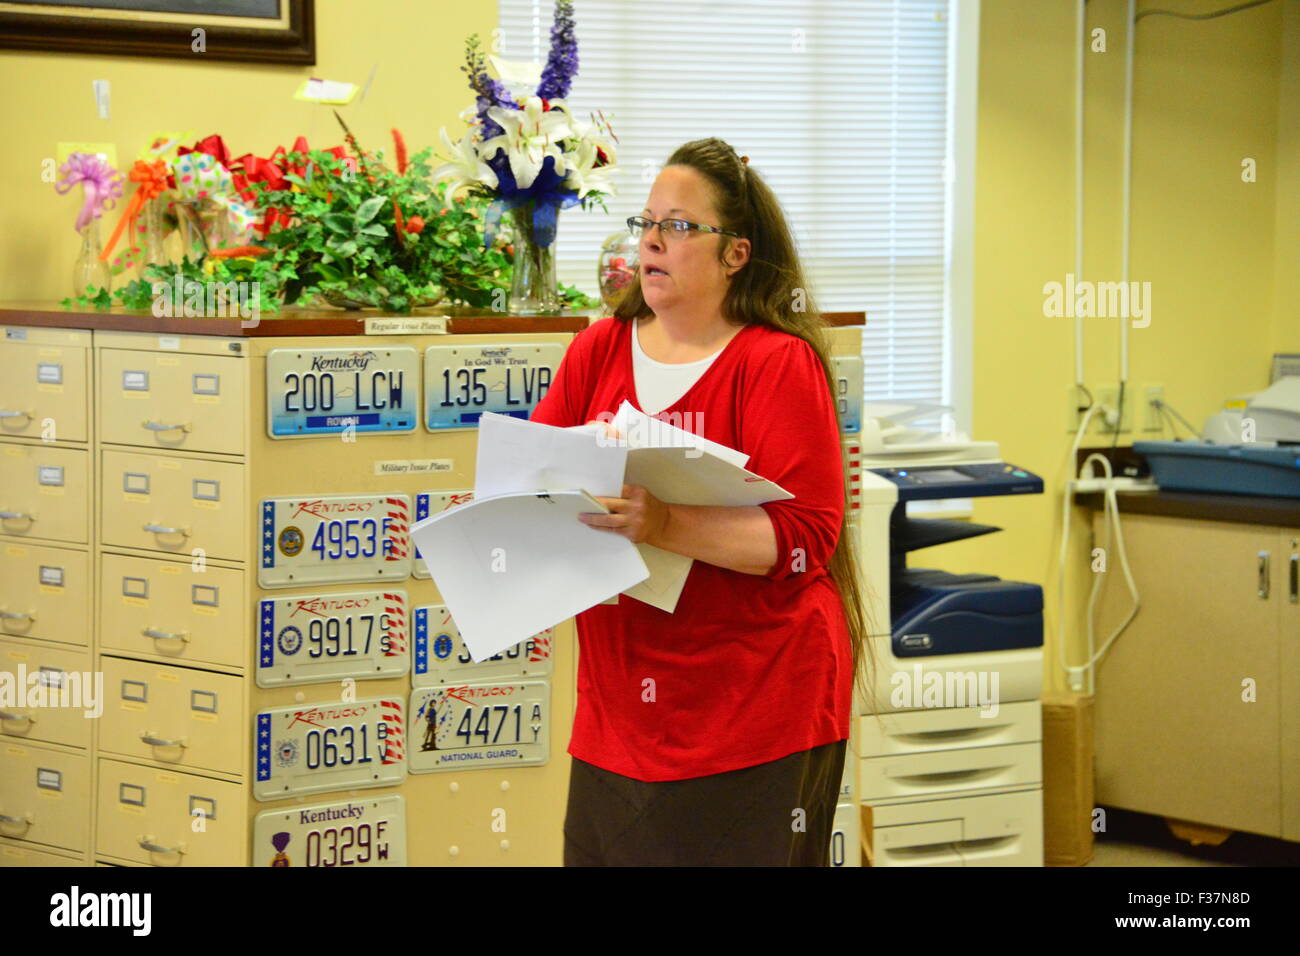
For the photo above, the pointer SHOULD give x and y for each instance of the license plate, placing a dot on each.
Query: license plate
(309, 638)
(346, 833)
(432, 503)
(440, 657)
(335, 539)
(473, 726)
(848, 391)
(327, 391)
(309, 748)
(461, 382)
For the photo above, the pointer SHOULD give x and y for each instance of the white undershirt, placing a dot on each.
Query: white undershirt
(660, 384)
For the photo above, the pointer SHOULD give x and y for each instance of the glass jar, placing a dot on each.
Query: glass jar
(619, 257)
(89, 269)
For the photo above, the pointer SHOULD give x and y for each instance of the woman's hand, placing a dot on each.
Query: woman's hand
(638, 516)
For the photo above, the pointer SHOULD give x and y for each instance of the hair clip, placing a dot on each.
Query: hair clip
(744, 160)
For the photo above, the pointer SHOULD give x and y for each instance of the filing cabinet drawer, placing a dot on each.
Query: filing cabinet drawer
(18, 854)
(45, 593)
(65, 676)
(174, 504)
(948, 771)
(918, 731)
(43, 386)
(148, 816)
(174, 715)
(44, 492)
(44, 795)
(169, 611)
(172, 400)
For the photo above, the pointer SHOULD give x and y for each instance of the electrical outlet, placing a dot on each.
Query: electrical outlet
(1076, 405)
(1108, 395)
(1152, 420)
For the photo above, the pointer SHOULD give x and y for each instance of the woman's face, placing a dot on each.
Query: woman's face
(685, 270)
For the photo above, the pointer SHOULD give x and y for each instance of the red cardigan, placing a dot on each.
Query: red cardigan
(749, 668)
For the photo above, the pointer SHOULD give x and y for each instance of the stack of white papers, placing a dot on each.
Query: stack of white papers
(516, 559)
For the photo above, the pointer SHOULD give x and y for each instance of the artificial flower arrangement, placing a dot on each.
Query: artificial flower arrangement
(529, 156)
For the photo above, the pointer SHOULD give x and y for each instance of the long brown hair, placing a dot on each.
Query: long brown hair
(770, 290)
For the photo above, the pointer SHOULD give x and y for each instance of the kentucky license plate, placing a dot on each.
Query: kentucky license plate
(347, 833)
(328, 391)
(309, 638)
(309, 748)
(335, 539)
(440, 657)
(432, 503)
(461, 382)
(473, 726)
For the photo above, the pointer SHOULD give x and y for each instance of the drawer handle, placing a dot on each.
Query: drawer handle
(13, 413)
(163, 529)
(164, 427)
(147, 844)
(1263, 574)
(15, 616)
(10, 715)
(25, 821)
(166, 635)
(8, 515)
(159, 742)
(1295, 579)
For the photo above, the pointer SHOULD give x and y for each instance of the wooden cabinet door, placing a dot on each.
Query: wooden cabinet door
(1288, 600)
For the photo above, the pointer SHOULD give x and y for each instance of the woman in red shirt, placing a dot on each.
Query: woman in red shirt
(716, 734)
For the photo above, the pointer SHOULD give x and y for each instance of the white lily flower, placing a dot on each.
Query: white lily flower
(528, 136)
(584, 176)
(465, 164)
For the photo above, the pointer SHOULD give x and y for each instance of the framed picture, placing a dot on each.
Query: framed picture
(254, 31)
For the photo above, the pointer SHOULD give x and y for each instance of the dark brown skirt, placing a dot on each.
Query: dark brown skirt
(746, 817)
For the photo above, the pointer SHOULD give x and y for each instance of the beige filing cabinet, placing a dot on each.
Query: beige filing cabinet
(133, 483)
(1198, 701)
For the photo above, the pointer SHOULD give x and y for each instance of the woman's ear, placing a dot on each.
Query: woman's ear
(736, 256)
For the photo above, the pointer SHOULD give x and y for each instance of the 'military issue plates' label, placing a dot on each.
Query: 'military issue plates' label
(328, 391)
(309, 748)
(335, 539)
(439, 655)
(309, 638)
(472, 726)
(461, 382)
(353, 832)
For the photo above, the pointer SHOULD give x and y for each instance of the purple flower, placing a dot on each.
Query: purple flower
(490, 92)
(562, 64)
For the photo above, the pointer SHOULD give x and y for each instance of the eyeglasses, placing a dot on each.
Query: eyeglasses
(671, 229)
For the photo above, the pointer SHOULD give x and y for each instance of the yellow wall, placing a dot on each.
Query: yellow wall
(418, 88)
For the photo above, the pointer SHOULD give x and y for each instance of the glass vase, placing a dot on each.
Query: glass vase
(89, 269)
(619, 255)
(533, 287)
(149, 236)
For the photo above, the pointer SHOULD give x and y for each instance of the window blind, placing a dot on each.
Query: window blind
(840, 104)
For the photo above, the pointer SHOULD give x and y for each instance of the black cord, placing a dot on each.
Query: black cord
(1201, 16)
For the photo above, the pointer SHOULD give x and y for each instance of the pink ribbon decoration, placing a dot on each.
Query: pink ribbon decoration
(102, 185)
